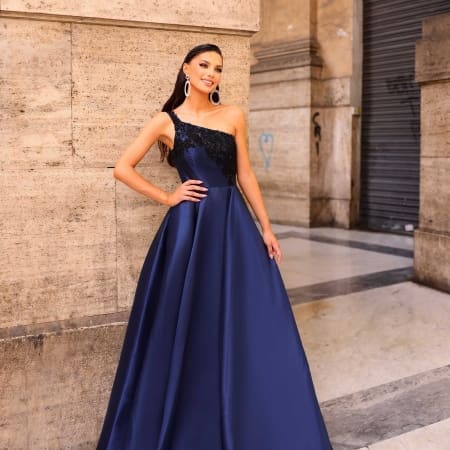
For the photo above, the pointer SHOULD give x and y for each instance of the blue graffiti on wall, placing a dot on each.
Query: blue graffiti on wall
(265, 142)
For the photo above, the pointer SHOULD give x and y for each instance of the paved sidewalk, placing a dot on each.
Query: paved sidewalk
(378, 344)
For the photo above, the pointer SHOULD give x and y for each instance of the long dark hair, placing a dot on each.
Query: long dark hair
(178, 97)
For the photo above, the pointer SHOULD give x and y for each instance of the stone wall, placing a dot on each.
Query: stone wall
(432, 238)
(78, 82)
(306, 75)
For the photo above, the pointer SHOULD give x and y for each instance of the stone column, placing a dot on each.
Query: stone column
(281, 133)
(78, 82)
(432, 238)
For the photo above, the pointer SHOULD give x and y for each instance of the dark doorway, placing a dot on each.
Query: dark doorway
(390, 145)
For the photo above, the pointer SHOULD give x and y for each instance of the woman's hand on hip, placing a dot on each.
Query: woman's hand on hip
(189, 190)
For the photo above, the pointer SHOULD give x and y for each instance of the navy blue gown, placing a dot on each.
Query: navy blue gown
(212, 358)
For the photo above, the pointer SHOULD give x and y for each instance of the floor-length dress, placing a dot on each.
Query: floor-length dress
(212, 358)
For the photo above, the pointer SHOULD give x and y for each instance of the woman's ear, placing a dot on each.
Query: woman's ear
(185, 68)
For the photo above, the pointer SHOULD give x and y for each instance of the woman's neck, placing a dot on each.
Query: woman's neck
(197, 104)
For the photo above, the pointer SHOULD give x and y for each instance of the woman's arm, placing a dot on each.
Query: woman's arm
(249, 184)
(124, 170)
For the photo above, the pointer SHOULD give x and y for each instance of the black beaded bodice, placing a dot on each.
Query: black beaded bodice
(203, 153)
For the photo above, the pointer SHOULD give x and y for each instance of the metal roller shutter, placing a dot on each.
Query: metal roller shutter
(390, 144)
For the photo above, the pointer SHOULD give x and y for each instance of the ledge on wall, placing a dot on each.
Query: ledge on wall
(287, 54)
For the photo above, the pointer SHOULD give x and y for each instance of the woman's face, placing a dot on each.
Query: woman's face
(204, 71)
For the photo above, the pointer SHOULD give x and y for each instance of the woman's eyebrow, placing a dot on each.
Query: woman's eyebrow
(206, 61)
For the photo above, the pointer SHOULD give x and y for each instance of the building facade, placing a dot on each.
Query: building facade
(335, 111)
(78, 82)
(343, 129)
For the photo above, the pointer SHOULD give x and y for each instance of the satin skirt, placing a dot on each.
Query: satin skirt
(212, 358)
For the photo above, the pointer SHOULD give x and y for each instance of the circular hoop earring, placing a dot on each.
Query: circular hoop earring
(187, 86)
(214, 97)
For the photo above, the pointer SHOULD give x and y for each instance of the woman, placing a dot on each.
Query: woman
(212, 358)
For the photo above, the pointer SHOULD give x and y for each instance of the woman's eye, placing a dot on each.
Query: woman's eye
(219, 70)
(203, 65)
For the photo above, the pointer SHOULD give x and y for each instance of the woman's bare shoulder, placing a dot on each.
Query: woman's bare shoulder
(158, 122)
(161, 117)
(232, 109)
(233, 113)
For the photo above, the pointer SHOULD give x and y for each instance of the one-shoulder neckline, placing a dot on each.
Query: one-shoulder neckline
(226, 133)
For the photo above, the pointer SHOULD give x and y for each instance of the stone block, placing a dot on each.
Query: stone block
(433, 59)
(122, 76)
(57, 245)
(35, 94)
(279, 152)
(288, 210)
(13, 396)
(56, 387)
(331, 92)
(284, 20)
(436, 27)
(330, 212)
(431, 243)
(285, 94)
(431, 267)
(232, 14)
(286, 54)
(138, 218)
(331, 163)
(334, 34)
(434, 118)
(434, 211)
(356, 171)
(280, 75)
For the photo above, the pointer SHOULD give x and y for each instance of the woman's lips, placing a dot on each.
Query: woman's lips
(208, 83)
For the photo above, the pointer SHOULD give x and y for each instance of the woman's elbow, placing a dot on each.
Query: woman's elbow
(116, 172)
(121, 169)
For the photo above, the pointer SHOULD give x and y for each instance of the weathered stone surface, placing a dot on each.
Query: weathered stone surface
(431, 265)
(331, 167)
(320, 75)
(79, 366)
(431, 243)
(435, 194)
(13, 396)
(76, 89)
(279, 144)
(434, 120)
(334, 34)
(60, 326)
(278, 76)
(288, 210)
(331, 161)
(331, 92)
(233, 14)
(288, 54)
(330, 212)
(436, 27)
(57, 245)
(433, 60)
(138, 219)
(355, 182)
(290, 94)
(122, 76)
(283, 20)
(35, 94)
